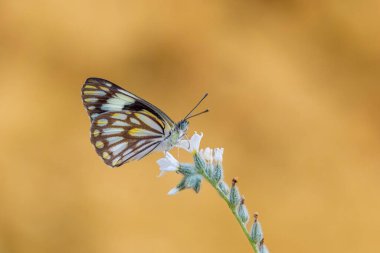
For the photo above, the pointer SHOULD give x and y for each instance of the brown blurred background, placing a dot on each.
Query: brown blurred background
(294, 99)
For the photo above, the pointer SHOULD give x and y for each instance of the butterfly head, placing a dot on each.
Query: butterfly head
(181, 128)
(183, 125)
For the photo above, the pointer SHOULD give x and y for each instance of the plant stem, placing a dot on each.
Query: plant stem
(233, 210)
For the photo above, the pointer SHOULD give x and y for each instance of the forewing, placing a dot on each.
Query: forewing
(101, 96)
(123, 136)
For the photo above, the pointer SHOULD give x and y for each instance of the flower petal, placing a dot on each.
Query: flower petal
(191, 145)
(171, 159)
(195, 141)
(207, 155)
(168, 163)
(173, 191)
(218, 154)
(184, 144)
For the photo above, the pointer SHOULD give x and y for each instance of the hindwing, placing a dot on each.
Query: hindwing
(122, 136)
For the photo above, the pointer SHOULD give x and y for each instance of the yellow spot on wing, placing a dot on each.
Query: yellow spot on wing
(90, 99)
(94, 92)
(142, 133)
(134, 131)
(120, 116)
(116, 161)
(96, 133)
(90, 87)
(102, 122)
(99, 144)
(104, 88)
(106, 155)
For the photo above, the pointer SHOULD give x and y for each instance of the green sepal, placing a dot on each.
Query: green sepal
(218, 173)
(199, 162)
(186, 169)
(235, 196)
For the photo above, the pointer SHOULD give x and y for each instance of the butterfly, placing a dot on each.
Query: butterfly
(125, 127)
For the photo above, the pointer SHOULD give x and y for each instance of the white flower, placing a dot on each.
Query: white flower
(191, 145)
(218, 154)
(168, 163)
(207, 155)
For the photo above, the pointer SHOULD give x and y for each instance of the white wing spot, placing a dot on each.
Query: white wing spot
(118, 148)
(94, 92)
(117, 103)
(113, 140)
(94, 115)
(140, 143)
(135, 121)
(102, 122)
(110, 106)
(127, 154)
(111, 131)
(119, 116)
(120, 123)
(127, 99)
(128, 150)
(91, 107)
(148, 121)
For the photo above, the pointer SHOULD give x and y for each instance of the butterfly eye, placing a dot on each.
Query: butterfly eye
(183, 125)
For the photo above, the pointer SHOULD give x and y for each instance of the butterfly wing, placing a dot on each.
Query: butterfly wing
(124, 127)
(127, 135)
(100, 96)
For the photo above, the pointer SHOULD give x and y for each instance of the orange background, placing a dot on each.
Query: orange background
(294, 99)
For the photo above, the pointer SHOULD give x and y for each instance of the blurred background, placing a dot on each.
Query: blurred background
(294, 100)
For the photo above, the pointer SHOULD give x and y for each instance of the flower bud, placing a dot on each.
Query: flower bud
(243, 211)
(224, 188)
(207, 155)
(192, 180)
(234, 194)
(197, 184)
(218, 155)
(189, 181)
(217, 174)
(179, 187)
(256, 231)
(263, 248)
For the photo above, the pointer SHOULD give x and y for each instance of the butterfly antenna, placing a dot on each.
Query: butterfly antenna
(200, 101)
(197, 114)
